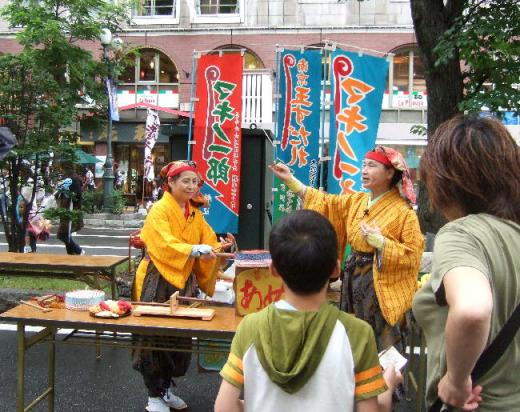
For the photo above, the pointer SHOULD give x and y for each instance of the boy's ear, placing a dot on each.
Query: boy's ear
(337, 270)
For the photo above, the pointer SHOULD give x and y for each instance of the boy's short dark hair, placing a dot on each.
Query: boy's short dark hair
(304, 250)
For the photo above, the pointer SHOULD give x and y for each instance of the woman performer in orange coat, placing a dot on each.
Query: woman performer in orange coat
(179, 242)
(380, 277)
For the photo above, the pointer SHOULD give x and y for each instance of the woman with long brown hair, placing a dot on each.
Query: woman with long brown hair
(471, 168)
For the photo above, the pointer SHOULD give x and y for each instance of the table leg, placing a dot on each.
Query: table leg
(20, 367)
(98, 346)
(113, 284)
(51, 369)
(421, 387)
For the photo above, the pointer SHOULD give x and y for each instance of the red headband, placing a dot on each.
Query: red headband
(174, 171)
(378, 157)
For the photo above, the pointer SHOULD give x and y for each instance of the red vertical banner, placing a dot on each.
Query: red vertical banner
(218, 135)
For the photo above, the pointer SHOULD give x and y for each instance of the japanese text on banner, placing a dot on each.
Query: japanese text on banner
(217, 136)
(298, 122)
(358, 84)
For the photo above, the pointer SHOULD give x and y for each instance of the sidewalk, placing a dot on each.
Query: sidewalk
(126, 220)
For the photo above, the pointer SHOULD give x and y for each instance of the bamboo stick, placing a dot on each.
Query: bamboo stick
(33, 305)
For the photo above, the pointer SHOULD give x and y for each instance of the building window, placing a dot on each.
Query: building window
(407, 84)
(150, 77)
(156, 8)
(218, 11)
(156, 12)
(212, 7)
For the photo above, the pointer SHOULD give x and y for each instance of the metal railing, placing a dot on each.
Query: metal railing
(257, 97)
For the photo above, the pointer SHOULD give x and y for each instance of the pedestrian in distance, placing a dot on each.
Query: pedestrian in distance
(119, 179)
(302, 353)
(69, 196)
(471, 169)
(38, 228)
(180, 248)
(88, 179)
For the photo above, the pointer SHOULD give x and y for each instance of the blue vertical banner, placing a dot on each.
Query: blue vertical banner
(357, 87)
(298, 122)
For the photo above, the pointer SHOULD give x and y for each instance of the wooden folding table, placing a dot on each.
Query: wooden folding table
(88, 330)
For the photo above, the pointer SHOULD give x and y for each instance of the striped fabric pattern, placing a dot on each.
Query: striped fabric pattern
(369, 381)
(395, 281)
(233, 371)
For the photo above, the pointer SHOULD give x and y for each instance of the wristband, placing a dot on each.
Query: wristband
(294, 185)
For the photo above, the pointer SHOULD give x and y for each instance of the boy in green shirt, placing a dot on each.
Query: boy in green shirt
(303, 353)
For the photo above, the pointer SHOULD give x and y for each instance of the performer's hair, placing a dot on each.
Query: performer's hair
(473, 164)
(398, 175)
(304, 251)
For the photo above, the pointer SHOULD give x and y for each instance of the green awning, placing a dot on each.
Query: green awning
(85, 158)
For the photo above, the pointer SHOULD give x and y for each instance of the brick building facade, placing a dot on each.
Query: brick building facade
(166, 33)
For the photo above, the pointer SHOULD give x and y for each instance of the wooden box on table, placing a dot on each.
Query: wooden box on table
(255, 287)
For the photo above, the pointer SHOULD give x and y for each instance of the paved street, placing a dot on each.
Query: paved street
(109, 384)
(99, 241)
(84, 383)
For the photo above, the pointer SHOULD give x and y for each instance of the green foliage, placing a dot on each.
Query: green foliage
(486, 37)
(119, 202)
(92, 202)
(57, 213)
(41, 283)
(44, 87)
(470, 51)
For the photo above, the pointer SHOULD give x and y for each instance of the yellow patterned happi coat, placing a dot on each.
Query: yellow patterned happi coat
(169, 238)
(395, 281)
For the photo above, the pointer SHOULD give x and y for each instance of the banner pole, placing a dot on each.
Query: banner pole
(326, 56)
(192, 100)
(276, 106)
(276, 139)
(142, 195)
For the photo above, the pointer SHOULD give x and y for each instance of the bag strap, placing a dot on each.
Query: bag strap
(492, 353)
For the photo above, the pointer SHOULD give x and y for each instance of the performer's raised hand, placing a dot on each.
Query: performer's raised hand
(281, 171)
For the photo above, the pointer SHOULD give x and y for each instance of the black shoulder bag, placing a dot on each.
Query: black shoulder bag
(492, 353)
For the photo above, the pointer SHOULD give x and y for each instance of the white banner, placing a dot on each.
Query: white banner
(150, 137)
(112, 100)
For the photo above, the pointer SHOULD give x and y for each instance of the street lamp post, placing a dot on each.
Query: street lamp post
(108, 173)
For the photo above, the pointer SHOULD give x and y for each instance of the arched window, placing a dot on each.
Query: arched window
(251, 60)
(407, 81)
(150, 76)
